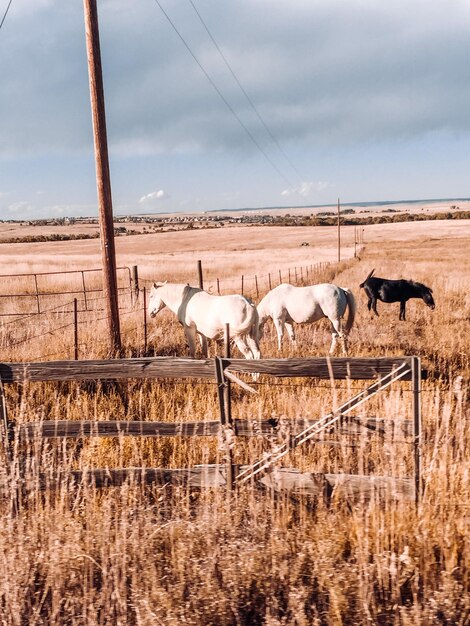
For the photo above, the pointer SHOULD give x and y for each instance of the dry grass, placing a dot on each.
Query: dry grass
(154, 555)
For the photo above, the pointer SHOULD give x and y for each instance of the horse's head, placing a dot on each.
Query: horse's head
(156, 303)
(427, 297)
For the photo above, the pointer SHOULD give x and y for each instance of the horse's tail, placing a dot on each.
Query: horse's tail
(361, 286)
(352, 309)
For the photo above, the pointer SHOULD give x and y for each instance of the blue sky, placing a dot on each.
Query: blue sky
(368, 101)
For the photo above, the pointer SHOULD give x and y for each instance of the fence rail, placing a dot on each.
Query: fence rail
(383, 371)
(76, 429)
(339, 368)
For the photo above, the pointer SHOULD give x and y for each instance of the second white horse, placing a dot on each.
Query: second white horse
(287, 304)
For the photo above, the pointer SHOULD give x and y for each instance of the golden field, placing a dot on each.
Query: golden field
(155, 555)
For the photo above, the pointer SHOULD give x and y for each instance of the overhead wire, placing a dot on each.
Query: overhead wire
(224, 100)
(5, 14)
(243, 90)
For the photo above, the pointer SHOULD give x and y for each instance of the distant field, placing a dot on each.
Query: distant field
(233, 250)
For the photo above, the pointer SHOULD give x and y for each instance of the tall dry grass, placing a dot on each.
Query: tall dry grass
(160, 555)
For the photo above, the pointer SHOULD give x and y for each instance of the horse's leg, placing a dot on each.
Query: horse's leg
(279, 324)
(190, 333)
(204, 348)
(241, 344)
(290, 331)
(249, 348)
(336, 334)
(253, 346)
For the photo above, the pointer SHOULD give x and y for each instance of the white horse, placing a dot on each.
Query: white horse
(205, 315)
(287, 304)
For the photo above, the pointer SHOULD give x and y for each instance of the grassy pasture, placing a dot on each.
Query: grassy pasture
(167, 556)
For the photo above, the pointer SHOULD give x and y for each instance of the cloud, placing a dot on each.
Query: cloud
(335, 82)
(317, 72)
(154, 195)
(306, 189)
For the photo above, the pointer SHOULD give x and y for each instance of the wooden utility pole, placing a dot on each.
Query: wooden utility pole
(339, 234)
(103, 181)
(200, 275)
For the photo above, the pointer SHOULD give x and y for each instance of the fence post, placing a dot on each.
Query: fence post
(75, 328)
(135, 284)
(145, 319)
(223, 393)
(416, 404)
(218, 287)
(228, 413)
(280, 277)
(199, 273)
(6, 424)
(228, 395)
(256, 285)
(242, 283)
(84, 291)
(288, 273)
(8, 442)
(37, 292)
(269, 280)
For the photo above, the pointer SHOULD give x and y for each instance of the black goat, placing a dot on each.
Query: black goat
(395, 291)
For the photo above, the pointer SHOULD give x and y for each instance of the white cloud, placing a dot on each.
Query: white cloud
(154, 195)
(306, 188)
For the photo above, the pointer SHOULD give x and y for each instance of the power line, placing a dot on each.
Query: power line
(243, 90)
(224, 100)
(5, 14)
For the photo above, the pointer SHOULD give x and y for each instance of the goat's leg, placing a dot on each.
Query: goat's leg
(403, 310)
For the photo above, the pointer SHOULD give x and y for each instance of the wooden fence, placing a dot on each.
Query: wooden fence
(224, 371)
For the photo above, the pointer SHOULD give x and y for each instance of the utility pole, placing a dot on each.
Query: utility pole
(103, 181)
(339, 234)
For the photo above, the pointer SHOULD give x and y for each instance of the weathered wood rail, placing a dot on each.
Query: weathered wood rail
(349, 486)
(172, 367)
(221, 371)
(52, 429)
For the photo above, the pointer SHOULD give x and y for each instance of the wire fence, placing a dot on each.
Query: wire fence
(49, 327)
(41, 292)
